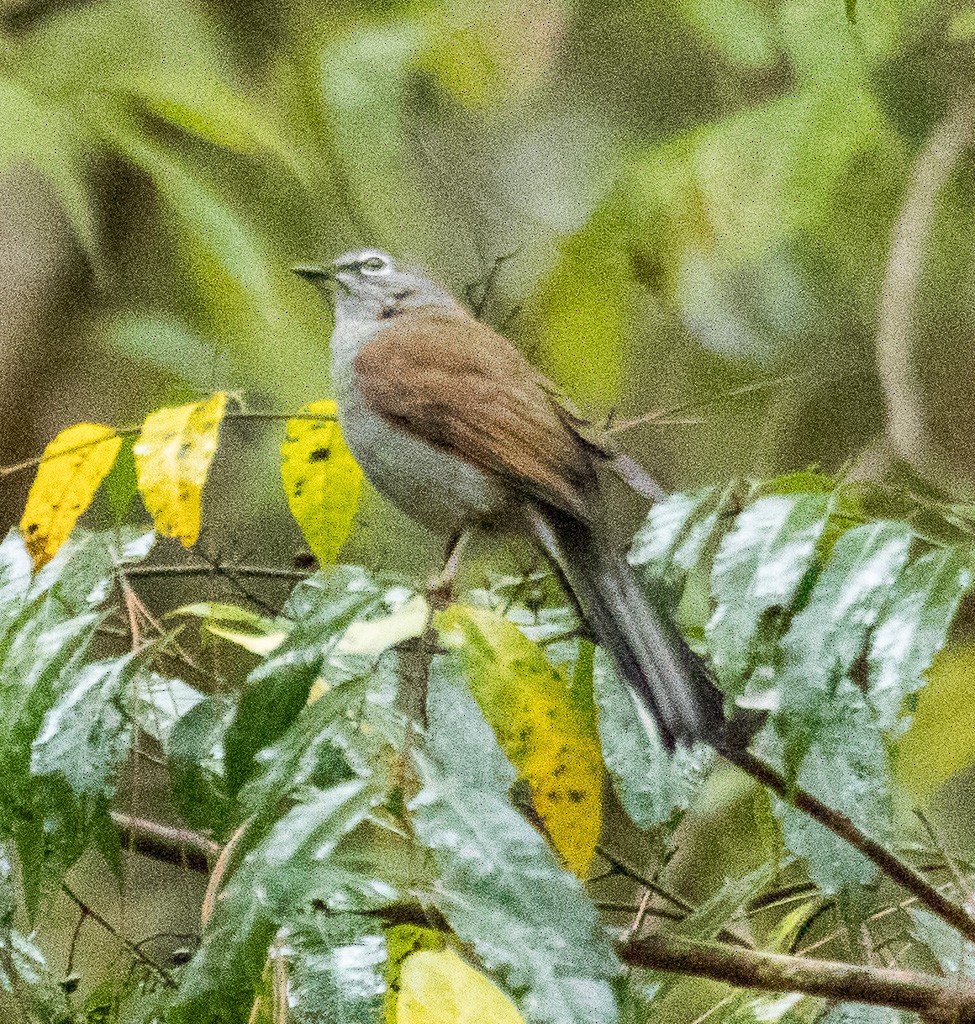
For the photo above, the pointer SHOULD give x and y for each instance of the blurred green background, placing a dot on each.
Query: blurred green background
(696, 195)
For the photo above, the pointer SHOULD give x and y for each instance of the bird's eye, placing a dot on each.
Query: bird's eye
(374, 265)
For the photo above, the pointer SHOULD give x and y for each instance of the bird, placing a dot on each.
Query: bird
(452, 423)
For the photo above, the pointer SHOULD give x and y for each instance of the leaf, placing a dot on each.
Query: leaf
(437, 987)
(582, 308)
(194, 748)
(39, 128)
(161, 702)
(172, 459)
(758, 567)
(955, 955)
(456, 725)
(72, 467)
(651, 783)
(527, 919)
(279, 687)
(402, 941)
(545, 726)
(941, 739)
(831, 737)
(278, 878)
(370, 127)
(84, 570)
(826, 638)
(913, 627)
(321, 479)
(85, 735)
(679, 523)
(259, 634)
(707, 919)
(336, 970)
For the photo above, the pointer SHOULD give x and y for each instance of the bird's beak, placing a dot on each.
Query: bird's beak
(314, 272)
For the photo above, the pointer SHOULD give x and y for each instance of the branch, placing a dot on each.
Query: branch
(936, 999)
(168, 843)
(905, 264)
(889, 863)
(217, 569)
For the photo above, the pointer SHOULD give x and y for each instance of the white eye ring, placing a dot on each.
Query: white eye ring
(374, 265)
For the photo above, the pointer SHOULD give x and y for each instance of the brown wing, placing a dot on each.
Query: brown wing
(461, 387)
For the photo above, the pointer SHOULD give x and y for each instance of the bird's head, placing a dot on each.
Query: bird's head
(369, 284)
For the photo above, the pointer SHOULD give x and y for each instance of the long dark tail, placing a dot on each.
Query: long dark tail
(647, 651)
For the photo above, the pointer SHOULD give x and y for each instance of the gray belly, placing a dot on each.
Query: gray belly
(439, 491)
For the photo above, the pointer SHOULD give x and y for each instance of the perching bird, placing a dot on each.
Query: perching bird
(453, 424)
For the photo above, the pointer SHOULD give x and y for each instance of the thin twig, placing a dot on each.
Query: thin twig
(73, 945)
(167, 843)
(133, 947)
(132, 429)
(652, 885)
(667, 415)
(261, 571)
(889, 863)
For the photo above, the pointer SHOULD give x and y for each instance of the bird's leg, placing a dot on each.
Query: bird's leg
(440, 589)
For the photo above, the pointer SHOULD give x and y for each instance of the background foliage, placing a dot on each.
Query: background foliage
(699, 195)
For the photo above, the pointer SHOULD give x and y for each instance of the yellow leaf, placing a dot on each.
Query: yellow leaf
(172, 459)
(548, 733)
(321, 479)
(437, 987)
(402, 941)
(941, 740)
(72, 467)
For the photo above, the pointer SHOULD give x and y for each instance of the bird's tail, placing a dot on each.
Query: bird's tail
(647, 651)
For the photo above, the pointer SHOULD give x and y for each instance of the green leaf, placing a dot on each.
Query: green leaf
(544, 721)
(500, 889)
(275, 884)
(676, 531)
(652, 784)
(336, 971)
(847, 767)
(582, 308)
(85, 735)
(161, 702)
(828, 636)
(739, 29)
(758, 568)
(955, 955)
(711, 916)
(857, 1013)
(913, 627)
(832, 741)
(82, 574)
(255, 633)
(42, 131)
(456, 724)
(278, 689)
(370, 126)
(194, 746)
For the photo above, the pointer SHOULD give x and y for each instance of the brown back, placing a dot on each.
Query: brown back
(463, 388)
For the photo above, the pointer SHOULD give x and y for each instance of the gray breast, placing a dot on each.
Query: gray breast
(438, 490)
